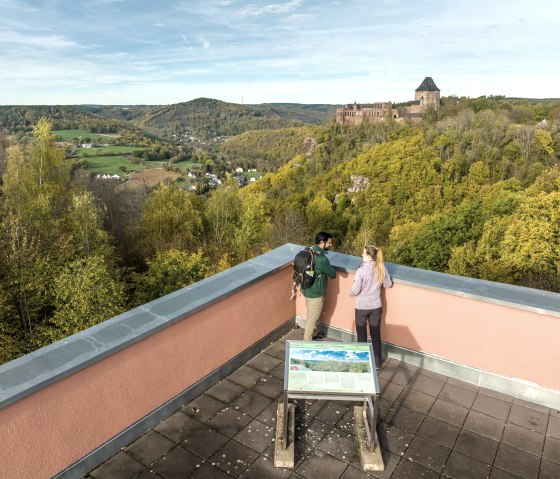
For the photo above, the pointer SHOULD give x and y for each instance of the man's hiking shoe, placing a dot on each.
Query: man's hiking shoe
(319, 337)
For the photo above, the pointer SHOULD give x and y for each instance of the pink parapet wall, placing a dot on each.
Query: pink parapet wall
(504, 340)
(44, 433)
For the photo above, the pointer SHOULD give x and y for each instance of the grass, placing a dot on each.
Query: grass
(106, 150)
(71, 134)
(112, 164)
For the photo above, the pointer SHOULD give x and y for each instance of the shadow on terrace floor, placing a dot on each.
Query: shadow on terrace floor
(432, 427)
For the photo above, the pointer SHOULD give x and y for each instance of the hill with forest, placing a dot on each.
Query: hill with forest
(207, 118)
(474, 191)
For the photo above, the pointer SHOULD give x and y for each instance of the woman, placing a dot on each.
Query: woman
(370, 277)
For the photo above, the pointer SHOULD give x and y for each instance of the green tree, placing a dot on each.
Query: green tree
(170, 220)
(254, 224)
(168, 271)
(86, 293)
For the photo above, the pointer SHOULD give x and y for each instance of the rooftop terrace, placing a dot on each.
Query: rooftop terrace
(432, 426)
(187, 385)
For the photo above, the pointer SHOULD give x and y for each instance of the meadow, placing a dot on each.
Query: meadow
(67, 135)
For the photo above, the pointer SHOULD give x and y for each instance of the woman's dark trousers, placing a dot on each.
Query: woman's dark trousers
(373, 318)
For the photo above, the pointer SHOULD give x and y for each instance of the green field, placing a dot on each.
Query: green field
(107, 150)
(112, 164)
(71, 134)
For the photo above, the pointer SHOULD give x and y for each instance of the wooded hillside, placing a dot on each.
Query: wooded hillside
(476, 193)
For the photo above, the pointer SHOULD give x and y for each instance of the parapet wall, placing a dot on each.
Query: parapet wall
(506, 330)
(70, 399)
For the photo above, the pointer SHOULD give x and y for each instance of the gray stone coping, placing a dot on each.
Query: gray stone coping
(30, 373)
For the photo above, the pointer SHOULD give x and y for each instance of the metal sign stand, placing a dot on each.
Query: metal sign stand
(365, 417)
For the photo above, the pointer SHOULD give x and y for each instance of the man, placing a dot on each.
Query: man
(315, 295)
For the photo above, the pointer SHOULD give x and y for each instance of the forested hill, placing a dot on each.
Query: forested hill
(206, 118)
(475, 194)
(22, 118)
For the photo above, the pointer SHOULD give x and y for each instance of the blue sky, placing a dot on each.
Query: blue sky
(302, 51)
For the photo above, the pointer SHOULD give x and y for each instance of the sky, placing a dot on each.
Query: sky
(296, 51)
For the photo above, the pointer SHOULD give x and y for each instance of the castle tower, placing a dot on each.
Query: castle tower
(428, 94)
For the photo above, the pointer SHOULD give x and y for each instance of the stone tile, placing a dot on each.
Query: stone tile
(476, 446)
(427, 453)
(346, 423)
(390, 391)
(555, 412)
(498, 473)
(320, 465)
(205, 442)
(524, 439)
(491, 406)
(270, 387)
(384, 407)
(396, 375)
(207, 471)
(460, 466)
(278, 371)
(412, 470)
(402, 364)
(447, 412)
(416, 400)
(517, 462)
(390, 461)
(233, 458)
(553, 427)
(246, 376)
(264, 362)
(120, 466)
(552, 450)
(178, 427)
(404, 418)
(463, 384)
(484, 425)
(532, 405)
(329, 412)
(432, 374)
(528, 418)
(495, 394)
(276, 349)
(268, 415)
(339, 444)
(229, 421)
(148, 474)
(225, 391)
(263, 468)
(393, 439)
(149, 447)
(203, 407)
(439, 431)
(311, 431)
(251, 402)
(256, 435)
(426, 384)
(549, 470)
(295, 334)
(457, 395)
(176, 464)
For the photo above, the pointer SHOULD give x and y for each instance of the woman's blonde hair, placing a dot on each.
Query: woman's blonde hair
(377, 255)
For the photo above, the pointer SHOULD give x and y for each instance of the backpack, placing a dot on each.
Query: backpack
(304, 268)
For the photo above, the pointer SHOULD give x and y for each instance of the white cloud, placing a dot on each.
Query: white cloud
(255, 10)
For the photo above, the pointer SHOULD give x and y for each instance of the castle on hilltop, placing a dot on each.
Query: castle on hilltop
(427, 96)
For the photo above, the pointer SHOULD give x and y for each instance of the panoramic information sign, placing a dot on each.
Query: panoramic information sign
(323, 367)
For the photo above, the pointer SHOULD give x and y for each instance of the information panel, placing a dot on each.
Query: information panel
(325, 367)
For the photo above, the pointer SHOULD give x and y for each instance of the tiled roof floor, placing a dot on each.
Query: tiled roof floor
(433, 426)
